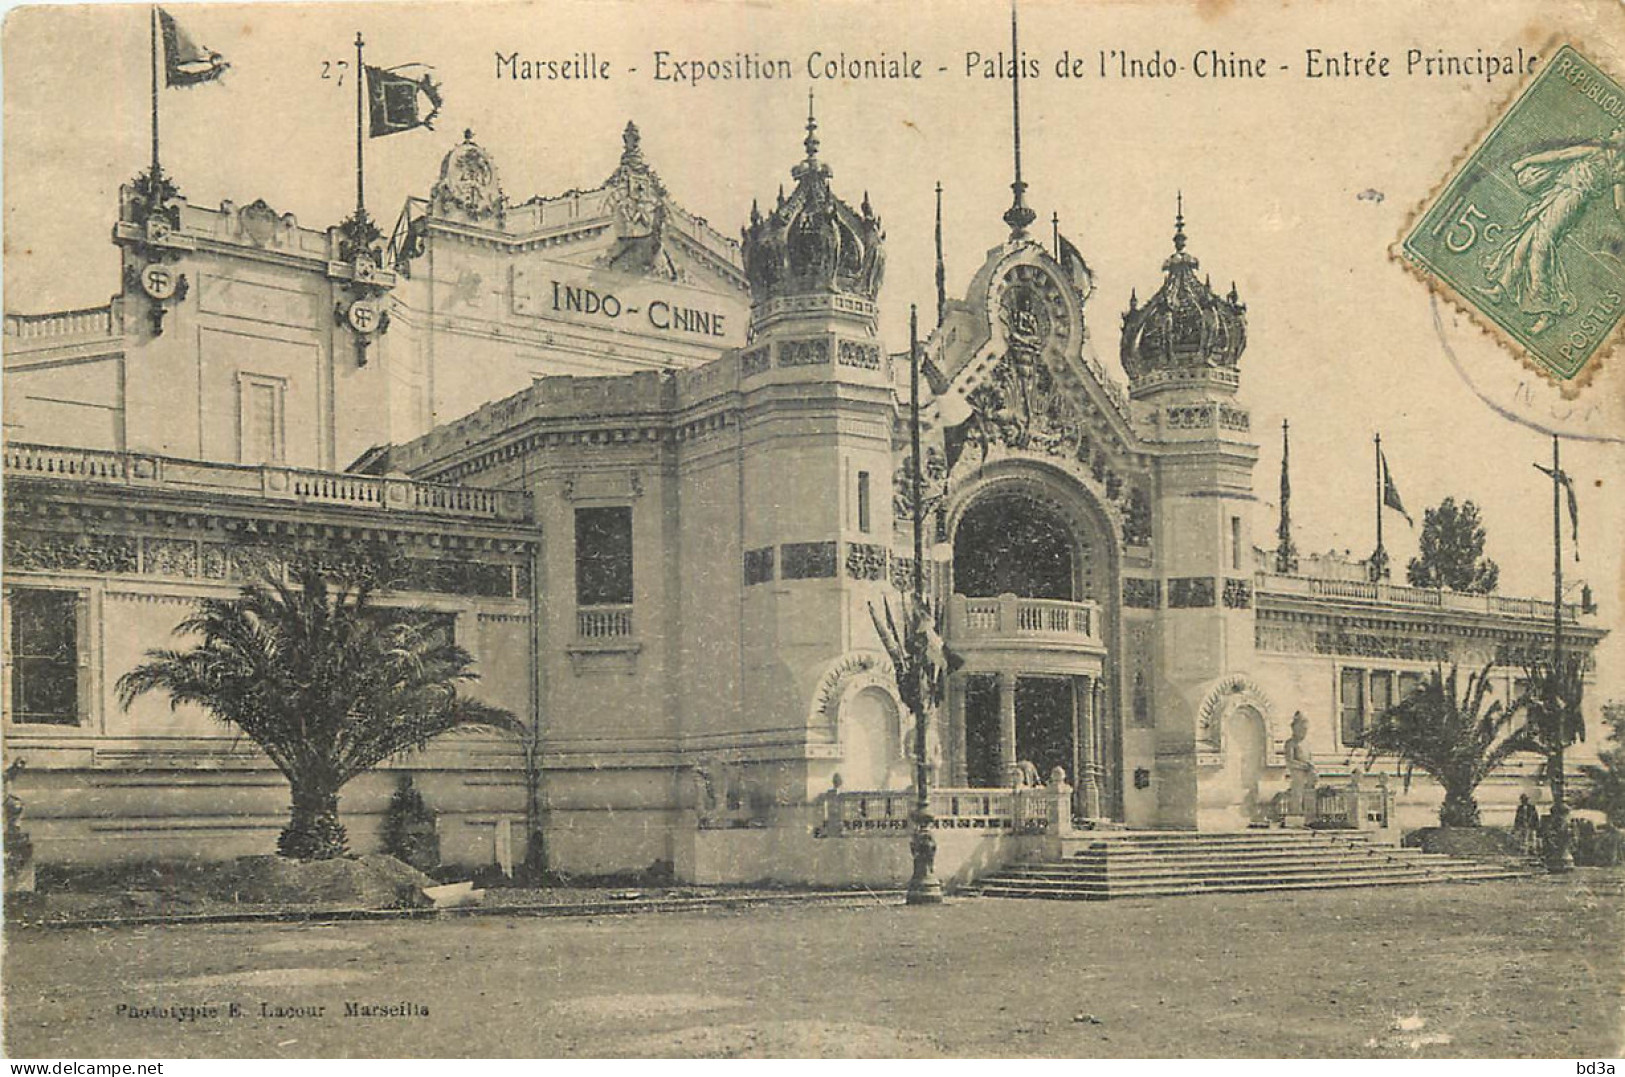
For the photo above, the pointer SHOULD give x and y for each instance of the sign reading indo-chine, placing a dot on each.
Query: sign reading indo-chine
(665, 309)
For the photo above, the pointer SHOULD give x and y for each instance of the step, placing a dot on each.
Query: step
(1001, 884)
(1233, 888)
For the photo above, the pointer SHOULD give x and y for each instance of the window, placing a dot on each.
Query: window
(1235, 543)
(1351, 698)
(261, 420)
(1382, 692)
(604, 557)
(863, 502)
(1408, 684)
(44, 656)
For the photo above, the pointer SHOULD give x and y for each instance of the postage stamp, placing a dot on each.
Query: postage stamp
(1529, 234)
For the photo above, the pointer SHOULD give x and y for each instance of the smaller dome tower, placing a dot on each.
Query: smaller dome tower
(1185, 336)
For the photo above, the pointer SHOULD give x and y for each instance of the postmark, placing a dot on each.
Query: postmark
(1528, 235)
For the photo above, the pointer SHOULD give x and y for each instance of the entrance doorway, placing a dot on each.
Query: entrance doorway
(1045, 707)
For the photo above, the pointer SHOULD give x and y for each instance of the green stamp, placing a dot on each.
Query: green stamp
(1530, 233)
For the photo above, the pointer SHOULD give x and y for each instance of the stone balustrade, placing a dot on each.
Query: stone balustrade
(91, 322)
(1036, 810)
(1388, 594)
(986, 619)
(288, 484)
(603, 622)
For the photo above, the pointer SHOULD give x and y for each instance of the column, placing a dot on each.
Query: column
(1099, 714)
(1007, 727)
(1088, 769)
(957, 764)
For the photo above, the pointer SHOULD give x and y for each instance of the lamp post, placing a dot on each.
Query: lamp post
(923, 886)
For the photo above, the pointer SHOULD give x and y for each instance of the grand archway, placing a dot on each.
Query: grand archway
(1030, 613)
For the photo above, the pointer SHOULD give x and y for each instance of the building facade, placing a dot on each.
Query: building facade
(656, 480)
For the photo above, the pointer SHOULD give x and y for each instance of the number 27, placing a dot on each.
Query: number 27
(329, 66)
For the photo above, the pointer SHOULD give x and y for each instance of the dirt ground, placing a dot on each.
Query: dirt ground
(1533, 968)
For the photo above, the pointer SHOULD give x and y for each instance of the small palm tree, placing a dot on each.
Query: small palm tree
(1552, 697)
(1454, 739)
(323, 681)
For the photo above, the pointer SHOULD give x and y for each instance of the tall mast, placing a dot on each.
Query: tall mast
(153, 192)
(1379, 559)
(942, 277)
(1018, 216)
(360, 136)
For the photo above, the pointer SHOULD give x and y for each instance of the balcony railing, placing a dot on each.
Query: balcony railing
(1038, 810)
(1389, 594)
(1007, 617)
(297, 485)
(93, 321)
(603, 622)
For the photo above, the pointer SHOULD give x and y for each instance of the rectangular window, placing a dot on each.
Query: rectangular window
(1351, 701)
(604, 557)
(1382, 692)
(44, 656)
(863, 502)
(1235, 543)
(1408, 684)
(261, 407)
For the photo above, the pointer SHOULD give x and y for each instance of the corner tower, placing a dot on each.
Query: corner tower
(1181, 351)
(815, 488)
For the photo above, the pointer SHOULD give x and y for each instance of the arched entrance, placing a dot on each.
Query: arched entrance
(870, 745)
(1026, 613)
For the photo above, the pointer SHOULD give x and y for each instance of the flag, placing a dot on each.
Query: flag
(1390, 492)
(396, 101)
(1567, 483)
(185, 63)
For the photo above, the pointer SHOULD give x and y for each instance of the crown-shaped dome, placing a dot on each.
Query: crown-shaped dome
(1185, 327)
(813, 243)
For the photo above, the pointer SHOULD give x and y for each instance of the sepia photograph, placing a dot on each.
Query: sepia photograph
(814, 529)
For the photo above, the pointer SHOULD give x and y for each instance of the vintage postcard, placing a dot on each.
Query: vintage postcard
(799, 529)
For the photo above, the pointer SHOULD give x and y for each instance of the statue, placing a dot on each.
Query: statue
(1300, 769)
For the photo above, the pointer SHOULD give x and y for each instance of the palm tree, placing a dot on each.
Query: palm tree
(1552, 697)
(326, 683)
(1454, 739)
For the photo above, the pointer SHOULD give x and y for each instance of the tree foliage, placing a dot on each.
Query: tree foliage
(1451, 736)
(1452, 551)
(1552, 696)
(1605, 779)
(323, 681)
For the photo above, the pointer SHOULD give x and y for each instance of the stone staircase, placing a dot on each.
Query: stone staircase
(1120, 864)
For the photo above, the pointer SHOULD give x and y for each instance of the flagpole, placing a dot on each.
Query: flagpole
(360, 139)
(153, 191)
(1378, 558)
(923, 887)
(1557, 614)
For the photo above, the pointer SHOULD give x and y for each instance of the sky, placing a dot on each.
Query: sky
(1294, 188)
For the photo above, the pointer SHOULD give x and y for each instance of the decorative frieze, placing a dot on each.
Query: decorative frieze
(812, 352)
(756, 361)
(759, 566)
(44, 551)
(1234, 419)
(1190, 592)
(1238, 594)
(1190, 416)
(1141, 594)
(169, 557)
(865, 561)
(858, 354)
(1374, 645)
(809, 560)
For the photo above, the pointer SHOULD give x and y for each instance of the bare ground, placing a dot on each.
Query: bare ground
(1533, 968)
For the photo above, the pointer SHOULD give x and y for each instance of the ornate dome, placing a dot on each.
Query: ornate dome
(1185, 326)
(468, 186)
(813, 242)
